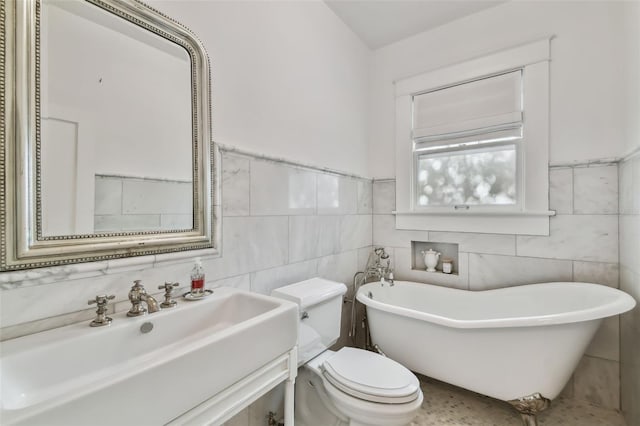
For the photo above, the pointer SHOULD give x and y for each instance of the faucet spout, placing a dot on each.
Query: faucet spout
(152, 303)
(138, 295)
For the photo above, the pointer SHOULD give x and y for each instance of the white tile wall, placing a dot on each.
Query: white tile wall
(577, 237)
(108, 195)
(337, 195)
(313, 236)
(267, 280)
(626, 187)
(252, 243)
(385, 233)
(561, 190)
(138, 204)
(235, 186)
(582, 246)
(606, 342)
(176, 221)
(134, 222)
(595, 272)
(365, 197)
(355, 232)
(630, 282)
(281, 224)
(595, 190)
(487, 271)
(272, 235)
(141, 196)
(596, 380)
(384, 197)
(281, 190)
(478, 243)
(339, 267)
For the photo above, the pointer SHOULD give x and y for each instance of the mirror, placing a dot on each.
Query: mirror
(107, 145)
(116, 110)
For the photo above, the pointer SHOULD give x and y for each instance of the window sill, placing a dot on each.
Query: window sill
(523, 223)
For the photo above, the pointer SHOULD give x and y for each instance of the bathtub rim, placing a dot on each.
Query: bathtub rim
(623, 303)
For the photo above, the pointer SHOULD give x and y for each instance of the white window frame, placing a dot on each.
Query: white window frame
(531, 214)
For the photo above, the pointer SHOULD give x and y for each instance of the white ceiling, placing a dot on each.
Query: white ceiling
(382, 22)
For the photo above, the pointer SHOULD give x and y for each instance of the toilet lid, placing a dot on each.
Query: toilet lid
(370, 376)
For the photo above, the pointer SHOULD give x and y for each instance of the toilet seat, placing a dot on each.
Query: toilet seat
(370, 377)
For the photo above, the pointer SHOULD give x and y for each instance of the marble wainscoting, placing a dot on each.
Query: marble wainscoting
(630, 282)
(282, 223)
(582, 247)
(126, 203)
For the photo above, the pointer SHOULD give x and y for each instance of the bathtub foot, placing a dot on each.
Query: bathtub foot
(529, 407)
(529, 419)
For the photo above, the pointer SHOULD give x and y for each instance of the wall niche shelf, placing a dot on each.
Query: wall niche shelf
(446, 250)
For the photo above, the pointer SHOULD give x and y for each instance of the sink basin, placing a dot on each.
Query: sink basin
(79, 375)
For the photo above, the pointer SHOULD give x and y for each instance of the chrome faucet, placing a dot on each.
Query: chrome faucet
(381, 269)
(101, 314)
(137, 295)
(378, 268)
(386, 276)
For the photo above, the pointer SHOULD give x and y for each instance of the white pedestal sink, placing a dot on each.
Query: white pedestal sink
(201, 363)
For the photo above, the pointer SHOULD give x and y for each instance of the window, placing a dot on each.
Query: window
(466, 140)
(472, 145)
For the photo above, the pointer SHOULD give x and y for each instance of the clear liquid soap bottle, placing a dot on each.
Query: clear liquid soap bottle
(197, 279)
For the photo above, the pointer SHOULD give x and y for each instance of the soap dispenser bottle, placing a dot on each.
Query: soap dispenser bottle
(197, 279)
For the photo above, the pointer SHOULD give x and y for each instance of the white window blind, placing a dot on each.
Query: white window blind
(490, 104)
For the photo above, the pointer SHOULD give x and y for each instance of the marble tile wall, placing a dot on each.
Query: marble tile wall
(136, 204)
(582, 247)
(281, 224)
(630, 282)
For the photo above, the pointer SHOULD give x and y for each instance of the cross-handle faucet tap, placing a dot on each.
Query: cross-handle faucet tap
(137, 295)
(168, 294)
(101, 314)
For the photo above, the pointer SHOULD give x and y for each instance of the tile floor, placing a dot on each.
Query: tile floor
(447, 405)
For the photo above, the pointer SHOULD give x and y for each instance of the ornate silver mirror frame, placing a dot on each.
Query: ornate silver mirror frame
(23, 244)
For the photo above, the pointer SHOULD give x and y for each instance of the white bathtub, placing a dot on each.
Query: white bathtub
(506, 343)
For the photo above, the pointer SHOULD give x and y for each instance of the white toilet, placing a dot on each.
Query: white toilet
(351, 386)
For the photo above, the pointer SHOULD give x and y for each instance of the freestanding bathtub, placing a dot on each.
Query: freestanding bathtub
(519, 344)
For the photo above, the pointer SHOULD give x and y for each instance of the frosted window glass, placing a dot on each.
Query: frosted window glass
(470, 177)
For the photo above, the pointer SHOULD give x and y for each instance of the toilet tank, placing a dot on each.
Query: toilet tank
(320, 307)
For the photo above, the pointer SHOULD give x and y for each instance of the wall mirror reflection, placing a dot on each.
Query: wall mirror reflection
(110, 131)
(116, 137)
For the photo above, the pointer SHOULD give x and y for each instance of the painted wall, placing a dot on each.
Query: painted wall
(632, 70)
(582, 247)
(589, 84)
(289, 79)
(88, 63)
(630, 282)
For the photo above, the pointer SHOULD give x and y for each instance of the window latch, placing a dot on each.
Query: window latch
(461, 207)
